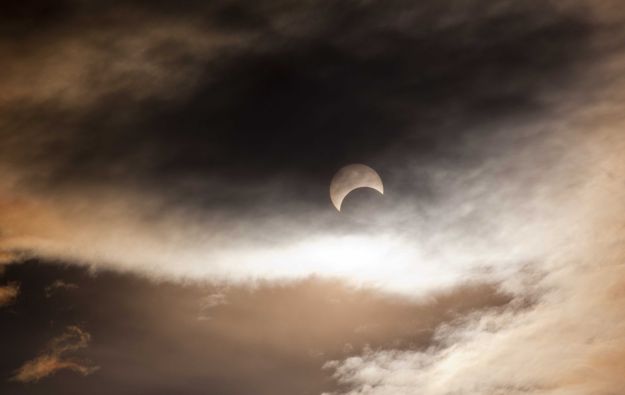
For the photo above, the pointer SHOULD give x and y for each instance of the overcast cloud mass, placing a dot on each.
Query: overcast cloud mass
(165, 223)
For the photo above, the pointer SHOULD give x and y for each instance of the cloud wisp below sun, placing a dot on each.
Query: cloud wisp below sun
(55, 358)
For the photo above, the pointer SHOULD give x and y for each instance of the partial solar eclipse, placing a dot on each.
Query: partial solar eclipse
(352, 177)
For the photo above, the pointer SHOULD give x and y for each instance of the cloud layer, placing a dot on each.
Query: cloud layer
(199, 144)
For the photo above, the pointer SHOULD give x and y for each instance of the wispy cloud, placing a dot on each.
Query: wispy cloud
(208, 303)
(55, 357)
(58, 285)
(8, 293)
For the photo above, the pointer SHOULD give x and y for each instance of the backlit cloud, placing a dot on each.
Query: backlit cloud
(562, 334)
(200, 144)
(194, 144)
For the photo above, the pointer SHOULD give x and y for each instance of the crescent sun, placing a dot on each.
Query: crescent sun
(353, 177)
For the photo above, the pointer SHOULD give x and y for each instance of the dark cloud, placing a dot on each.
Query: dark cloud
(170, 127)
(24, 18)
(302, 89)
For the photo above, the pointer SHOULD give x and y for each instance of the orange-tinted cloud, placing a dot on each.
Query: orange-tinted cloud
(8, 293)
(55, 359)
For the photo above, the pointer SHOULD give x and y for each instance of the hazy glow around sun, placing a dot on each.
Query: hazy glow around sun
(390, 263)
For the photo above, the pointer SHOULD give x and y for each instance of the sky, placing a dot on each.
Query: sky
(166, 224)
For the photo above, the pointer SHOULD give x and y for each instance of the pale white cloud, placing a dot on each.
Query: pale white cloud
(564, 334)
(208, 303)
(571, 342)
